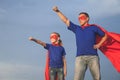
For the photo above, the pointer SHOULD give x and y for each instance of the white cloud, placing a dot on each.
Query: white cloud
(2, 12)
(19, 72)
(96, 8)
(105, 7)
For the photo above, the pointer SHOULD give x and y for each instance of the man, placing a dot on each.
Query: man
(87, 55)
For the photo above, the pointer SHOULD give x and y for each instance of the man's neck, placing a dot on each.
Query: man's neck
(85, 25)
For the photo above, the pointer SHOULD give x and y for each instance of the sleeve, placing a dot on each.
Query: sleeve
(47, 46)
(63, 53)
(72, 27)
(100, 32)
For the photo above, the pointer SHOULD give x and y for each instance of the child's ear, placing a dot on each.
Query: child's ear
(58, 38)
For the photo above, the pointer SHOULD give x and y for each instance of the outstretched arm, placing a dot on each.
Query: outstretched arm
(37, 41)
(61, 15)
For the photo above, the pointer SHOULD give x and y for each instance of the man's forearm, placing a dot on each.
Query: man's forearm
(63, 18)
(61, 15)
(103, 39)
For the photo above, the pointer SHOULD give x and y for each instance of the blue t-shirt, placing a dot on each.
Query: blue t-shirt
(85, 38)
(56, 54)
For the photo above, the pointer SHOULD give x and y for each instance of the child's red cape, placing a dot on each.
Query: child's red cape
(47, 75)
(111, 47)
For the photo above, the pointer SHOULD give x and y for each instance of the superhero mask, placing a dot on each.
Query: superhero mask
(83, 17)
(54, 37)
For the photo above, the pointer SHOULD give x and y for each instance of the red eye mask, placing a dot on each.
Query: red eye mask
(82, 18)
(54, 37)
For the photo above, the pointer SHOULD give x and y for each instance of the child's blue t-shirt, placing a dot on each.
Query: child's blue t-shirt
(85, 38)
(56, 54)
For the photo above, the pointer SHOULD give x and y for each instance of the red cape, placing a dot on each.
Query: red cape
(47, 75)
(111, 48)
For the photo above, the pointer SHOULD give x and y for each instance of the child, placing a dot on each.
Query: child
(57, 61)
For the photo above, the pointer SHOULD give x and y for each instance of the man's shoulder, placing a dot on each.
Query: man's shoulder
(74, 24)
(95, 25)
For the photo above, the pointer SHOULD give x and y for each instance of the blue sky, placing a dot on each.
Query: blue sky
(21, 59)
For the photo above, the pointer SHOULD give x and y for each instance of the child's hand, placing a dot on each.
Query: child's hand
(31, 38)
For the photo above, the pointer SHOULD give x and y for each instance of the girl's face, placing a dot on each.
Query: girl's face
(54, 38)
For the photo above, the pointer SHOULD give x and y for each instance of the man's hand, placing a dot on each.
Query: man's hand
(55, 8)
(96, 46)
(61, 15)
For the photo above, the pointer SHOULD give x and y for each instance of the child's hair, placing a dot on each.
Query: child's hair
(59, 41)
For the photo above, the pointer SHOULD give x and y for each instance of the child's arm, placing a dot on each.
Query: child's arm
(65, 66)
(37, 41)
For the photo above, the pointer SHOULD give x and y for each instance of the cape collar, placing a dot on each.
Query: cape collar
(55, 44)
(85, 26)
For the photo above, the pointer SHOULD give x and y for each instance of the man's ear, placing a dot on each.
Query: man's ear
(87, 18)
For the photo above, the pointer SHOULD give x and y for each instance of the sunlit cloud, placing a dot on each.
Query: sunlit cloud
(2, 12)
(105, 7)
(19, 71)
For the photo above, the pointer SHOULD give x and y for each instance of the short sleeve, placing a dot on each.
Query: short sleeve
(47, 46)
(72, 27)
(100, 32)
(63, 52)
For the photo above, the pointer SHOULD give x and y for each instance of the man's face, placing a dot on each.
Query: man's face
(83, 19)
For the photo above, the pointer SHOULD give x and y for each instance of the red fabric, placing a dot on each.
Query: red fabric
(47, 76)
(111, 48)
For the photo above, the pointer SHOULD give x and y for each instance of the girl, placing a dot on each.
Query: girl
(57, 61)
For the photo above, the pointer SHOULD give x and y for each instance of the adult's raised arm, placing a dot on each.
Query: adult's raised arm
(61, 15)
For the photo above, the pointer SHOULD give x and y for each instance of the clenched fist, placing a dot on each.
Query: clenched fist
(30, 38)
(55, 8)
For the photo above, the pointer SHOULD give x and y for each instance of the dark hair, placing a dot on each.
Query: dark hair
(84, 13)
(60, 42)
(56, 33)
